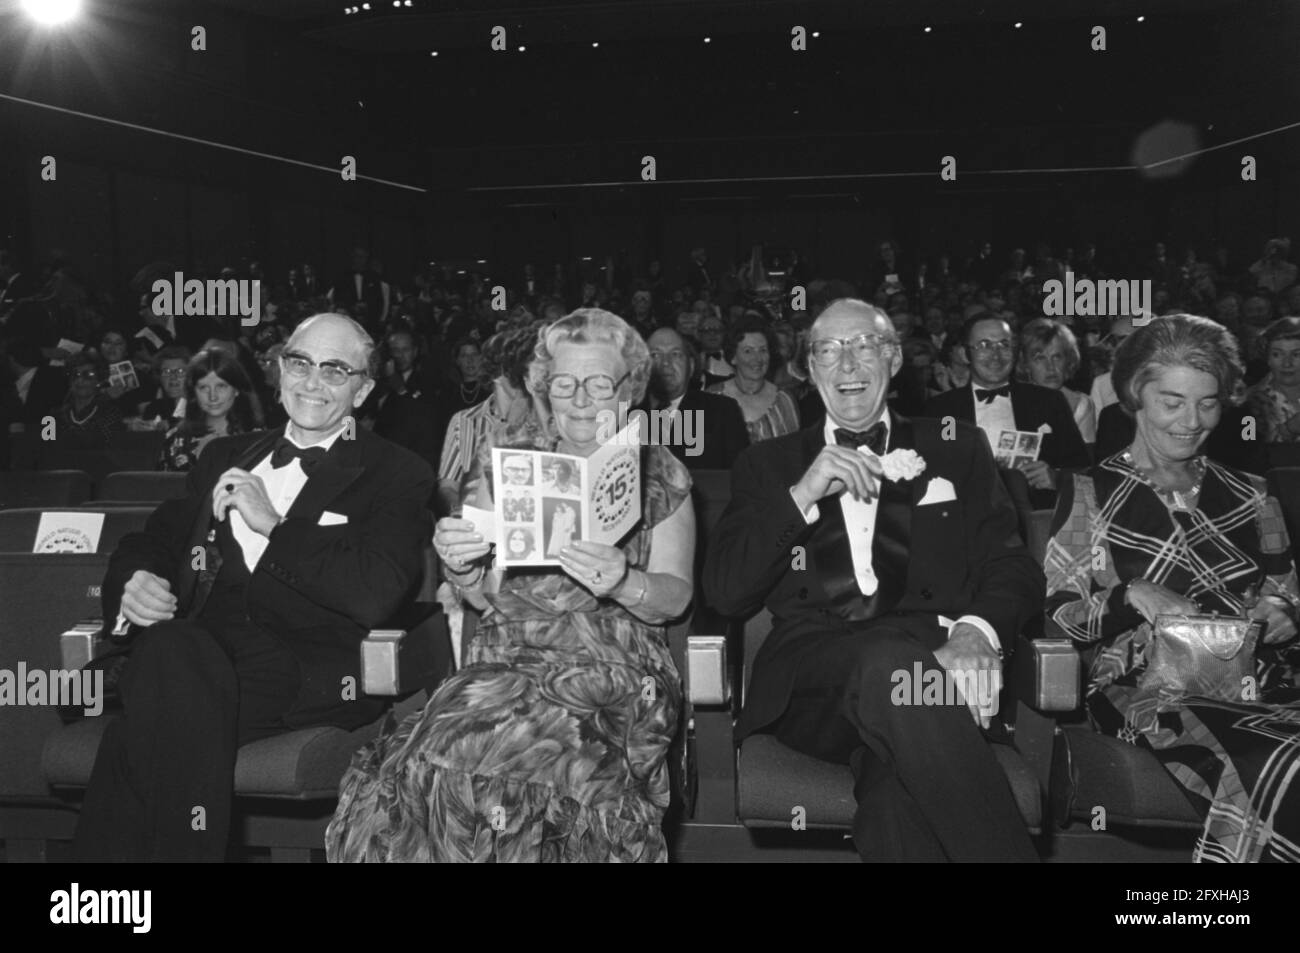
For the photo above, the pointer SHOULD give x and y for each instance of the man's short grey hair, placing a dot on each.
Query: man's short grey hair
(869, 310)
(369, 352)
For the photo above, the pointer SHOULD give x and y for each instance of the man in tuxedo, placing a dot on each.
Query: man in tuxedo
(713, 367)
(723, 435)
(871, 580)
(32, 390)
(994, 403)
(249, 599)
(361, 286)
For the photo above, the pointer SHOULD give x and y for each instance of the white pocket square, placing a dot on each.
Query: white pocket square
(331, 519)
(938, 490)
(1044, 428)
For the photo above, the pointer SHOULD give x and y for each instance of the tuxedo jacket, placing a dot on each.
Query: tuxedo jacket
(958, 556)
(1033, 406)
(372, 292)
(319, 588)
(724, 434)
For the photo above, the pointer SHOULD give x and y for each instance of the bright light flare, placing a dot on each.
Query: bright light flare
(52, 12)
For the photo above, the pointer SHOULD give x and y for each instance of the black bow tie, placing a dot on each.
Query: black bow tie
(988, 396)
(873, 438)
(310, 457)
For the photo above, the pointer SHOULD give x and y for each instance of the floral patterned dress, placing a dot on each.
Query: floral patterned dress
(550, 745)
(1236, 761)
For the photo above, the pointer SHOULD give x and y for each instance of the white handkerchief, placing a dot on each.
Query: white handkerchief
(938, 490)
(331, 519)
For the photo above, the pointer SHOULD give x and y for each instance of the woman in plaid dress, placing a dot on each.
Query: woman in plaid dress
(1156, 529)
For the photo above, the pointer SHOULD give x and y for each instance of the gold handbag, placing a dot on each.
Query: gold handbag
(1206, 655)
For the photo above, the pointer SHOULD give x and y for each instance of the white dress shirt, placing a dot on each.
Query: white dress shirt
(24, 384)
(993, 417)
(282, 488)
(860, 525)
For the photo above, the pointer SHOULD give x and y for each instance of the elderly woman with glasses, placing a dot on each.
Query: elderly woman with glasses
(551, 744)
(1049, 356)
(89, 417)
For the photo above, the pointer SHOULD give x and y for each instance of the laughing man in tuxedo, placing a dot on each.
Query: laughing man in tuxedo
(868, 577)
(309, 535)
(994, 403)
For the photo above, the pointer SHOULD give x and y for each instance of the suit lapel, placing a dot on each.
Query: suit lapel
(890, 544)
(342, 466)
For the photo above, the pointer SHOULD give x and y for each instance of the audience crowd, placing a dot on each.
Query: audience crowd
(96, 365)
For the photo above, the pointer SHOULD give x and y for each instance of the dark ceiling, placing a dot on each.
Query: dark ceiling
(435, 24)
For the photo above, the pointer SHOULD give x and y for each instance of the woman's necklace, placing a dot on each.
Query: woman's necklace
(94, 409)
(1176, 499)
(465, 395)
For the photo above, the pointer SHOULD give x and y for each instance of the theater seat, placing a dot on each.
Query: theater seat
(774, 779)
(18, 528)
(48, 488)
(303, 765)
(1096, 770)
(141, 486)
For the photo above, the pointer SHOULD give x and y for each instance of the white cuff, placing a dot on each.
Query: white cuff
(980, 624)
(810, 515)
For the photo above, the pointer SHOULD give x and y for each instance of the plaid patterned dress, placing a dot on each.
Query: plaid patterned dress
(1236, 761)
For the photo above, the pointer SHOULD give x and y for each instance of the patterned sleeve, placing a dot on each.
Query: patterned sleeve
(667, 485)
(1270, 414)
(1084, 594)
(450, 466)
(1275, 549)
(789, 413)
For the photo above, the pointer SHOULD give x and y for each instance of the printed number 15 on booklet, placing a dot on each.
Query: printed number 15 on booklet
(544, 501)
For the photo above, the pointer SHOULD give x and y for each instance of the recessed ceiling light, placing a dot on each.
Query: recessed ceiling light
(433, 53)
(928, 29)
(816, 34)
(365, 6)
(594, 45)
(522, 48)
(708, 39)
(1019, 24)
(1142, 19)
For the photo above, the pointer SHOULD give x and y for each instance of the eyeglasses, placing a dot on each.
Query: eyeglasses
(88, 374)
(597, 386)
(663, 357)
(1004, 346)
(864, 347)
(173, 373)
(331, 372)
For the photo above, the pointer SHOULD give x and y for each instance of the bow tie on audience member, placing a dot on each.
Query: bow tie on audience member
(988, 396)
(309, 457)
(873, 438)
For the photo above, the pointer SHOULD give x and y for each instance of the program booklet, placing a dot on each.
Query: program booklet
(1016, 447)
(544, 501)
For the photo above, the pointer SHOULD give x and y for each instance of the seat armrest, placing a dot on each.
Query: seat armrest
(1045, 675)
(82, 644)
(708, 678)
(404, 658)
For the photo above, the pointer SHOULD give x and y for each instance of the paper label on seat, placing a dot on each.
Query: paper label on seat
(68, 533)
